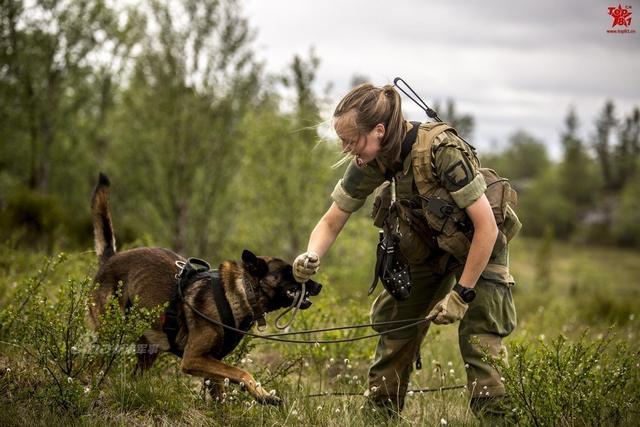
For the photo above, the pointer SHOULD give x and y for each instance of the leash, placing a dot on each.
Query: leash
(201, 266)
(420, 390)
(276, 337)
(295, 306)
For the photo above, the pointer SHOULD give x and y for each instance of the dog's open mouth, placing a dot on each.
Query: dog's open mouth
(311, 288)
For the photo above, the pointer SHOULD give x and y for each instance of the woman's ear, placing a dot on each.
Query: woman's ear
(380, 130)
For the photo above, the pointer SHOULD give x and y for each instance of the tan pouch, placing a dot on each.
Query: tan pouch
(381, 204)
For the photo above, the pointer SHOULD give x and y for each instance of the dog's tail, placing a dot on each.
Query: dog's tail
(102, 227)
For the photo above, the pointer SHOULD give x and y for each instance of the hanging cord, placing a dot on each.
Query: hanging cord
(295, 306)
(420, 390)
(276, 337)
(430, 112)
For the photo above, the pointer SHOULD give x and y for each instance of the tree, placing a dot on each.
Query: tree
(48, 80)
(605, 124)
(524, 158)
(287, 175)
(578, 179)
(627, 152)
(463, 123)
(178, 132)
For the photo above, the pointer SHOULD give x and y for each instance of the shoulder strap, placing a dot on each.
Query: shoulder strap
(407, 144)
(409, 140)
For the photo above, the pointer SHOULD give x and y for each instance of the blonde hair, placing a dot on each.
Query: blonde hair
(372, 105)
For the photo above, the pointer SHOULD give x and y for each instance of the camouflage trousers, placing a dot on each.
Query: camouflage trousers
(490, 317)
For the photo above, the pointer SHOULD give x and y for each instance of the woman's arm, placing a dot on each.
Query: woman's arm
(484, 237)
(322, 237)
(327, 229)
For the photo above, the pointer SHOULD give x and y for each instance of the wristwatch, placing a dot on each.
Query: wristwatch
(467, 294)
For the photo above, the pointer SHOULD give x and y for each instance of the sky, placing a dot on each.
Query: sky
(512, 65)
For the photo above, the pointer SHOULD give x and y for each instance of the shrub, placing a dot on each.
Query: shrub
(587, 382)
(71, 359)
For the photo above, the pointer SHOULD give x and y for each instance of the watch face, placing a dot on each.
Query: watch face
(469, 295)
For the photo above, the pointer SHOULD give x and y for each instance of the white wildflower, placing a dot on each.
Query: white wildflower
(346, 361)
(69, 380)
(443, 422)
(207, 382)
(226, 382)
(272, 392)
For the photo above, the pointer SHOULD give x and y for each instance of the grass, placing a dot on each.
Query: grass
(566, 290)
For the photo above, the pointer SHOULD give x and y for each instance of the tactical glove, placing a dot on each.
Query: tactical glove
(305, 265)
(448, 310)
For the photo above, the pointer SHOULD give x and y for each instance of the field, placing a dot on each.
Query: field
(574, 355)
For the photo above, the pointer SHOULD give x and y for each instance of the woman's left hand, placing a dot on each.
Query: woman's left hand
(448, 310)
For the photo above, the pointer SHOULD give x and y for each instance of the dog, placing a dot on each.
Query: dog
(252, 287)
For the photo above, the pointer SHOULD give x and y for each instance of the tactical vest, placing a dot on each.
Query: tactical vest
(452, 227)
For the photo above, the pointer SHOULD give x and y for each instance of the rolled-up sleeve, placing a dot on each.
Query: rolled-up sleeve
(457, 170)
(351, 192)
(345, 201)
(470, 192)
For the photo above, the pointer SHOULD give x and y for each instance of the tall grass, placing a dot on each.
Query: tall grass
(569, 366)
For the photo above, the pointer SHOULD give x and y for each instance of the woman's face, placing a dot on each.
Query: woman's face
(365, 147)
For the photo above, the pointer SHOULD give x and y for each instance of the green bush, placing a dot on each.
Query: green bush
(586, 382)
(542, 206)
(626, 218)
(70, 361)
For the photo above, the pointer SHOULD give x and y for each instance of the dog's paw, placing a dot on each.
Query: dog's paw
(267, 398)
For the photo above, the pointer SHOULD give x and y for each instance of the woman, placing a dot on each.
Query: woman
(371, 126)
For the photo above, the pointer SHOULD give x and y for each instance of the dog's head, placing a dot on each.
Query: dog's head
(276, 283)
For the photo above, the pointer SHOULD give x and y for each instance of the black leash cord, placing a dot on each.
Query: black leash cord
(273, 337)
(421, 390)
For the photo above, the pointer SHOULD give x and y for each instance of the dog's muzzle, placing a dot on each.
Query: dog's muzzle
(311, 289)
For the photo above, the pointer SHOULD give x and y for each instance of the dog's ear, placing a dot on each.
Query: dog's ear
(256, 266)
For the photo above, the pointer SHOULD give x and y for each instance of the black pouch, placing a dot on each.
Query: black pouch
(392, 267)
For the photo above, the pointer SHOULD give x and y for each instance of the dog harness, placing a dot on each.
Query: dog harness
(193, 270)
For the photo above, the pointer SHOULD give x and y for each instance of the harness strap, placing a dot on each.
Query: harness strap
(230, 338)
(256, 307)
(407, 145)
(405, 149)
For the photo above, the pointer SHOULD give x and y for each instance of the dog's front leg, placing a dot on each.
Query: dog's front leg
(208, 367)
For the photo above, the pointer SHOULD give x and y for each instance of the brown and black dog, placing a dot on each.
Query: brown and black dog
(150, 275)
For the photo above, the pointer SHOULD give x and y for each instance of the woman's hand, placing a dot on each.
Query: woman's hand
(305, 265)
(448, 310)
